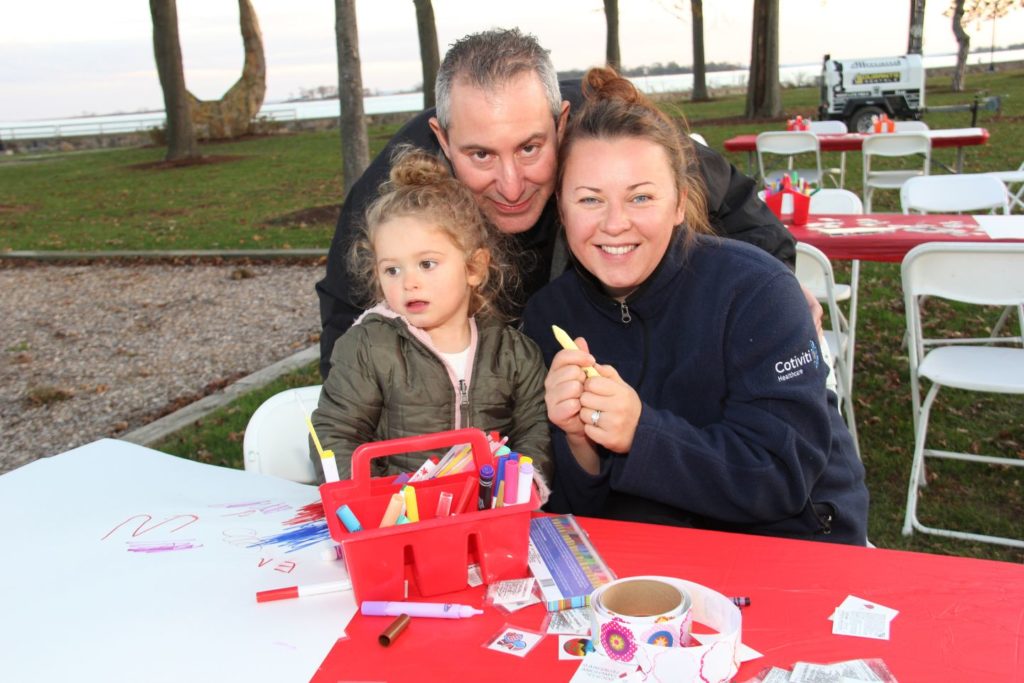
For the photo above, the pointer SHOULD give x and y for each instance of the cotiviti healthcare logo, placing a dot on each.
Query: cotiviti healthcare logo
(794, 367)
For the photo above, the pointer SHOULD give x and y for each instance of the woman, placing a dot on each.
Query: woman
(709, 407)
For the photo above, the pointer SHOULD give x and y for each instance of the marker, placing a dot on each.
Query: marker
(499, 476)
(425, 470)
(402, 519)
(486, 488)
(525, 482)
(444, 504)
(411, 509)
(499, 500)
(466, 497)
(327, 461)
(511, 482)
(303, 591)
(741, 601)
(393, 511)
(567, 343)
(440, 610)
(349, 519)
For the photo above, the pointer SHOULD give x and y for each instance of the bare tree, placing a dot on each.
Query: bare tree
(611, 15)
(764, 94)
(963, 41)
(700, 83)
(915, 35)
(430, 58)
(181, 137)
(979, 11)
(355, 144)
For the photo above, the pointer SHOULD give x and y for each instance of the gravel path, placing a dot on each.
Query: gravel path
(90, 351)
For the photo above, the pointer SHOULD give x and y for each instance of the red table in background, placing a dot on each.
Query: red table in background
(852, 142)
(959, 619)
(889, 236)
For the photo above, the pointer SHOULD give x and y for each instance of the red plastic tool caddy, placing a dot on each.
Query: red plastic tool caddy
(434, 552)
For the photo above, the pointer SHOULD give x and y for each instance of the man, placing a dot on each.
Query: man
(499, 118)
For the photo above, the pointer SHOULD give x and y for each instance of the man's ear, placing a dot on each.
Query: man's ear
(562, 120)
(476, 269)
(442, 136)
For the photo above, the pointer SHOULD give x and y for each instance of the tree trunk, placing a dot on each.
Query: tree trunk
(355, 144)
(915, 36)
(963, 46)
(700, 84)
(181, 138)
(611, 15)
(764, 94)
(430, 59)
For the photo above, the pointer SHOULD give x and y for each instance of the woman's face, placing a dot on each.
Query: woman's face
(619, 204)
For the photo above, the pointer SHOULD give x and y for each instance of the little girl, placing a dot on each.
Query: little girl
(433, 354)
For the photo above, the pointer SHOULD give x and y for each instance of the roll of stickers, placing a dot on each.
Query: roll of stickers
(645, 621)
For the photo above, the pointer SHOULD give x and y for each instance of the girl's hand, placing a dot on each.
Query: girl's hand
(618, 406)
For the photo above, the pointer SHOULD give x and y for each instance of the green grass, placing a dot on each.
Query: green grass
(98, 201)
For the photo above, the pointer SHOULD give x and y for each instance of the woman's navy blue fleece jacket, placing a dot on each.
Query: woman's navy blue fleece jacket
(737, 430)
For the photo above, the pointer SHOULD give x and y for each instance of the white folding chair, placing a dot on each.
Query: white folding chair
(893, 145)
(1014, 182)
(814, 271)
(832, 128)
(909, 126)
(789, 144)
(839, 201)
(971, 273)
(954, 194)
(276, 438)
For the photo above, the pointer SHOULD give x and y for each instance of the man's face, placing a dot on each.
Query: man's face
(503, 145)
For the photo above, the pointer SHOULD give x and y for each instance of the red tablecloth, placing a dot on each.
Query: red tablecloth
(959, 619)
(886, 236)
(851, 142)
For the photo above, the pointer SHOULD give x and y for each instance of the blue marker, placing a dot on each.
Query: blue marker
(499, 476)
(349, 519)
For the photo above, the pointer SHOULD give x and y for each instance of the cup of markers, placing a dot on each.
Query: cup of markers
(470, 507)
(790, 195)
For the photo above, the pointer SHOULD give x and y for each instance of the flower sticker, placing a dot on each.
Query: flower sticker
(617, 640)
(660, 636)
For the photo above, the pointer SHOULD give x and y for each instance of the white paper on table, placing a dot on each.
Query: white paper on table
(862, 618)
(1002, 227)
(123, 563)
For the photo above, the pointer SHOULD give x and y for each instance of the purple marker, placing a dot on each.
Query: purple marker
(440, 610)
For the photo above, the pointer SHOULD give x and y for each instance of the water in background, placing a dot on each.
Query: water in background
(793, 74)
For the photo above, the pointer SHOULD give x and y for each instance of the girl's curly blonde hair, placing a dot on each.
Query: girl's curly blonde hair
(420, 185)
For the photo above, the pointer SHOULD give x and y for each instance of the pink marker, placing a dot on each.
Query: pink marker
(440, 610)
(511, 481)
(303, 591)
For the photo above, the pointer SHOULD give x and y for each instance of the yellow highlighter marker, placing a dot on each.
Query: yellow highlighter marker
(326, 457)
(412, 511)
(567, 343)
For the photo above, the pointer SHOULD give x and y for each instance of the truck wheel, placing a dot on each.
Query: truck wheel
(860, 122)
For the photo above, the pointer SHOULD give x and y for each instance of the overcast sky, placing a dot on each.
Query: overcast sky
(68, 57)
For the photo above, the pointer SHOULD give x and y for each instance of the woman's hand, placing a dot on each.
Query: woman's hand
(563, 387)
(617, 407)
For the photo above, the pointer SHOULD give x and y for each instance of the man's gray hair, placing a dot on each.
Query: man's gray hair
(490, 59)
